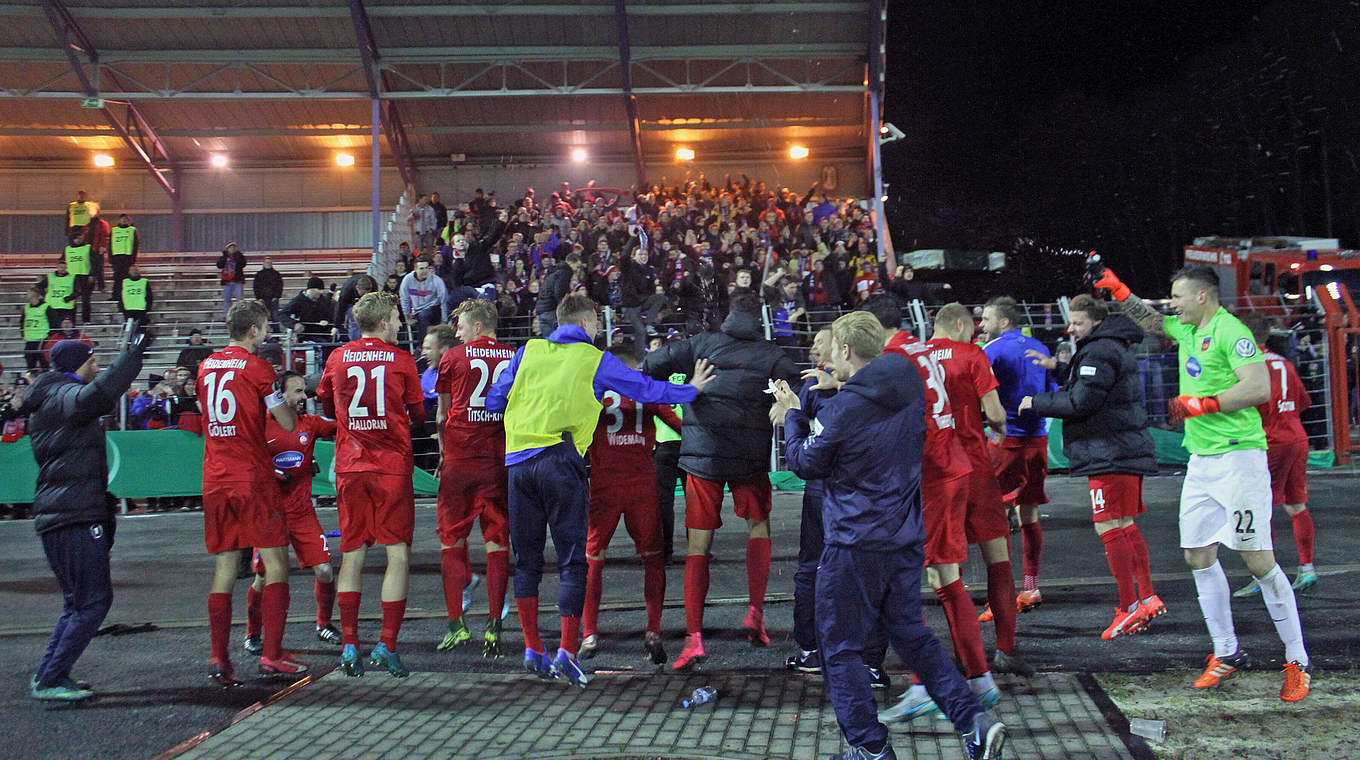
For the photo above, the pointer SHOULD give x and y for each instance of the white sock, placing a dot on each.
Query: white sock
(1308, 568)
(982, 684)
(1284, 610)
(1216, 604)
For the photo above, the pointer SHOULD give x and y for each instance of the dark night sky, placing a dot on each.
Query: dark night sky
(1125, 126)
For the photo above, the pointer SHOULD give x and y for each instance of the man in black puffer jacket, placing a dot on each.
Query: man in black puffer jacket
(556, 286)
(72, 511)
(726, 440)
(1105, 437)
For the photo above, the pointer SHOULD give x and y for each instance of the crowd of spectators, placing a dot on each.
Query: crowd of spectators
(668, 258)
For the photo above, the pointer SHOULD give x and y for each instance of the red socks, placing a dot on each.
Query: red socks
(252, 611)
(1303, 536)
(453, 567)
(1119, 555)
(497, 576)
(325, 601)
(654, 588)
(393, 612)
(274, 611)
(594, 579)
(1141, 569)
(963, 626)
(1032, 542)
(571, 634)
(1001, 596)
(757, 571)
(348, 602)
(527, 606)
(696, 589)
(219, 625)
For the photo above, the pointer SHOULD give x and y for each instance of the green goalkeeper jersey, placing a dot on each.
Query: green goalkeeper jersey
(1209, 358)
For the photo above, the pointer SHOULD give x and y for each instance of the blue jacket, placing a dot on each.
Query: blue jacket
(868, 456)
(812, 401)
(1017, 376)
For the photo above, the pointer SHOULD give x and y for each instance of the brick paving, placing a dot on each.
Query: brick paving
(760, 716)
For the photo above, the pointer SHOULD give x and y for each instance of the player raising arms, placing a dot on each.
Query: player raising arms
(373, 390)
(1287, 453)
(241, 504)
(1225, 498)
(622, 480)
(291, 453)
(973, 396)
(550, 394)
(472, 471)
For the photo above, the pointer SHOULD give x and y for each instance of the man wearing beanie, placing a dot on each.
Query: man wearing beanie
(310, 312)
(72, 512)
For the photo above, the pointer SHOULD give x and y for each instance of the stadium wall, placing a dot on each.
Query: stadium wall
(328, 207)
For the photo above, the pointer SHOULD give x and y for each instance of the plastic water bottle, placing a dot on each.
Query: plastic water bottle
(699, 696)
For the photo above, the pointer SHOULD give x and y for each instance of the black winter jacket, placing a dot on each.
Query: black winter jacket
(69, 443)
(727, 428)
(555, 287)
(475, 269)
(268, 284)
(1103, 410)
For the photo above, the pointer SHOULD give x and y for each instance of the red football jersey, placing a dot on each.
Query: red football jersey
(622, 449)
(466, 373)
(1288, 399)
(232, 384)
(291, 450)
(370, 382)
(944, 457)
(967, 378)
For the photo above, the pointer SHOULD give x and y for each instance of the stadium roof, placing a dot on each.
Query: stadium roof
(282, 81)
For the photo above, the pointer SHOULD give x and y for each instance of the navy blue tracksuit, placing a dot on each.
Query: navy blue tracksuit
(867, 452)
(79, 556)
(810, 541)
(551, 489)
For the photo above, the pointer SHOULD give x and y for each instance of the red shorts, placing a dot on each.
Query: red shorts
(1115, 495)
(1021, 464)
(469, 489)
(243, 514)
(943, 507)
(304, 530)
(986, 517)
(375, 508)
(704, 497)
(636, 504)
(1288, 473)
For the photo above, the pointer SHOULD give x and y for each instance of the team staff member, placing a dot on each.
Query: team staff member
(810, 543)
(972, 393)
(726, 441)
(1021, 455)
(550, 394)
(372, 389)
(867, 450)
(1225, 498)
(72, 513)
(123, 244)
(1105, 438)
(621, 480)
(1287, 453)
(291, 453)
(241, 506)
(472, 479)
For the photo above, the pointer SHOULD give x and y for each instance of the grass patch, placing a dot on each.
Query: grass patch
(1243, 717)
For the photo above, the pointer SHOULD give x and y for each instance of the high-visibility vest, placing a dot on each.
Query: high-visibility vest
(121, 239)
(35, 322)
(134, 294)
(58, 288)
(78, 259)
(78, 213)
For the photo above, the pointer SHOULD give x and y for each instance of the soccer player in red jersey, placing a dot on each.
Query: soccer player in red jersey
(622, 486)
(944, 498)
(1286, 453)
(372, 388)
(241, 505)
(291, 451)
(973, 396)
(472, 480)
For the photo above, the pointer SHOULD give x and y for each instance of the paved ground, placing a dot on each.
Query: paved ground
(154, 695)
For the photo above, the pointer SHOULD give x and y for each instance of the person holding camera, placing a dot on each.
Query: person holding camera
(73, 513)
